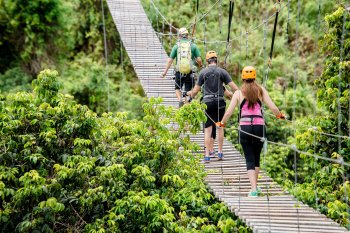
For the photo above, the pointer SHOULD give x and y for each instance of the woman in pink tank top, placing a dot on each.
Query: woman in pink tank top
(251, 122)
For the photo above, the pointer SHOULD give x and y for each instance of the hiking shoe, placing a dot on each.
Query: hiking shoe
(206, 159)
(212, 153)
(220, 155)
(181, 103)
(253, 194)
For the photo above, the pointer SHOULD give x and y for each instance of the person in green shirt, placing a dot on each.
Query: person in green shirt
(189, 54)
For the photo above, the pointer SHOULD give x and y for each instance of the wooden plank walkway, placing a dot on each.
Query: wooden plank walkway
(276, 212)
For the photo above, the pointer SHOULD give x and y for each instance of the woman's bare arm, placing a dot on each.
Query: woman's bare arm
(231, 107)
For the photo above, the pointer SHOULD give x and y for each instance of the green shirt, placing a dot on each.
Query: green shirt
(194, 51)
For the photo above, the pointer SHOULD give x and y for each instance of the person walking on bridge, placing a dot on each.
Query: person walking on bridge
(186, 54)
(251, 122)
(228, 94)
(212, 79)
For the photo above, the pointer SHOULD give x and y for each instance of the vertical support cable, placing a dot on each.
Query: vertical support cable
(263, 108)
(339, 109)
(315, 97)
(272, 43)
(294, 101)
(339, 84)
(204, 35)
(122, 64)
(195, 21)
(230, 15)
(246, 45)
(264, 43)
(288, 20)
(240, 42)
(220, 16)
(295, 84)
(239, 80)
(274, 34)
(239, 175)
(315, 167)
(163, 36)
(171, 33)
(157, 19)
(106, 54)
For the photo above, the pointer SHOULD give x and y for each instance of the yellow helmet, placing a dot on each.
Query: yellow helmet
(248, 72)
(210, 54)
(183, 31)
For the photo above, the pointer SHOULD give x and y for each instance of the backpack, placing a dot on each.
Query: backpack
(184, 63)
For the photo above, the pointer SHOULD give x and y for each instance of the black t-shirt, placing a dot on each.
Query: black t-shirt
(211, 79)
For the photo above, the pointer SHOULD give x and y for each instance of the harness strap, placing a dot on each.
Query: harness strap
(213, 96)
(248, 118)
(252, 116)
(210, 99)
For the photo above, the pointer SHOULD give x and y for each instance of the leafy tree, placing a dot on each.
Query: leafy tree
(323, 184)
(33, 32)
(63, 168)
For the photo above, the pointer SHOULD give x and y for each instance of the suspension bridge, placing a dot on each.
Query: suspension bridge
(276, 210)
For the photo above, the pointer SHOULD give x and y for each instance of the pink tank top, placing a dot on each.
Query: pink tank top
(251, 116)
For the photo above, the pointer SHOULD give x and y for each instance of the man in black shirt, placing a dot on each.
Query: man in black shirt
(212, 80)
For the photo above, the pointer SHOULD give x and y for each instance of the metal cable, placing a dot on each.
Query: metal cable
(105, 53)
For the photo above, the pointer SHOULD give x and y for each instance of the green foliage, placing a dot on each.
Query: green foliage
(295, 78)
(334, 82)
(323, 184)
(14, 80)
(68, 36)
(63, 168)
(86, 80)
(31, 31)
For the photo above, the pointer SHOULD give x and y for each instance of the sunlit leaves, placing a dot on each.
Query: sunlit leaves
(63, 167)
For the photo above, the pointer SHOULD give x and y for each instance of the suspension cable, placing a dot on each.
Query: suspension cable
(220, 16)
(272, 43)
(340, 74)
(230, 16)
(295, 83)
(205, 14)
(161, 15)
(249, 30)
(195, 20)
(106, 54)
(288, 19)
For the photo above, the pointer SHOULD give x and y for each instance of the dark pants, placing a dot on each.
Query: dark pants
(213, 132)
(186, 80)
(215, 112)
(252, 146)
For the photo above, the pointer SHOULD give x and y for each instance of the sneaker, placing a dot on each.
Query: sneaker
(253, 194)
(206, 159)
(211, 153)
(220, 155)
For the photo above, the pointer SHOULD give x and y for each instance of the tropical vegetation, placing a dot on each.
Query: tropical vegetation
(82, 150)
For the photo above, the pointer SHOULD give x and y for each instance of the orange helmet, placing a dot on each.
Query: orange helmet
(210, 54)
(248, 72)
